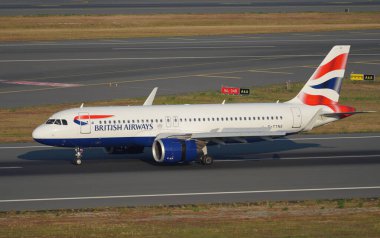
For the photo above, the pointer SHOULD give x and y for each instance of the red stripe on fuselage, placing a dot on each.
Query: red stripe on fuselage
(337, 63)
(85, 117)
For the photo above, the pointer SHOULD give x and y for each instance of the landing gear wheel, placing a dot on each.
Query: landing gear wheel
(207, 160)
(77, 161)
(78, 156)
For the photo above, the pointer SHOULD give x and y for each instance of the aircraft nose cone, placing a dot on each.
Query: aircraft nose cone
(40, 134)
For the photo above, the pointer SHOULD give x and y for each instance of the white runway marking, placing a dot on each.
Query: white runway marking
(191, 47)
(191, 194)
(48, 84)
(168, 58)
(11, 167)
(178, 42)
(25, 147)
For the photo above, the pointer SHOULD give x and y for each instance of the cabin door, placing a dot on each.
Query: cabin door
(84, 122)
(297, 118)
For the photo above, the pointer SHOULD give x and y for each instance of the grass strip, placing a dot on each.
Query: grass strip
(14, 126)
(321, 218)
(69, 27)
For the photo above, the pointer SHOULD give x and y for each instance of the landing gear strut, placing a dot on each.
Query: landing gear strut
(78, 156)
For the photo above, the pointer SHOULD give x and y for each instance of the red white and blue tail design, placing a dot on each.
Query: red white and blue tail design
(323, 87)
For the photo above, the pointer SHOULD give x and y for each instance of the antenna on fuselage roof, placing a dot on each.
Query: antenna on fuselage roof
(224, 101)
(81, 106)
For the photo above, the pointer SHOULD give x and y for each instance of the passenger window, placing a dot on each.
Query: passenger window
(258, 118)
(161, 120)
(119, 121)
(64, 122)
(100, 122)
(217, 118)
(133, 121)
(281, 117)
(156, 120)
(253, 118)
(189, 119)
(204, 119)
(240, 118)
(213, 119)
(263, 118)
(245, 118)
(199, 119)
(235, 118)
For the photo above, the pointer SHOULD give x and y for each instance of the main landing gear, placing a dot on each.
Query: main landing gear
(78, 156)
(206, 159)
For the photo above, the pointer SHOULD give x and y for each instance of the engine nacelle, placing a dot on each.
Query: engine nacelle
(174, 150)
(124, 149)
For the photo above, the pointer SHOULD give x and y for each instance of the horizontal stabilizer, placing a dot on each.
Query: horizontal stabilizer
(337, 114)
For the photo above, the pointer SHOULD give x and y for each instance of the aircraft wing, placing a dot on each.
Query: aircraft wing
(225, 134)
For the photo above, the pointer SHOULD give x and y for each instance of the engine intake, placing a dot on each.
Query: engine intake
(174, 150)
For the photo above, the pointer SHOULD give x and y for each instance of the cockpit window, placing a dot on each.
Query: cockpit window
(50, 121)
(57, 122)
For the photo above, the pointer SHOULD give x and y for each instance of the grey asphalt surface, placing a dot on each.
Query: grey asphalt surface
(113, 69)
(303, 167)
(40, 7)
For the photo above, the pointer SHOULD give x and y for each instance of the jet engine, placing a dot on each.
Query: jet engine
(170, 150)
(124, 149)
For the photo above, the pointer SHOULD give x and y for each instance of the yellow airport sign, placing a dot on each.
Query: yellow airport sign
(357, 76)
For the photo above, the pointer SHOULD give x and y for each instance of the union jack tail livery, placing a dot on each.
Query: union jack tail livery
(324, 85)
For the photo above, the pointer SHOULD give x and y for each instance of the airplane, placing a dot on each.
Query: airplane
(182, 133)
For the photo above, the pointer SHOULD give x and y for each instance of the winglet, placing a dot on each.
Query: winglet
(150, 99)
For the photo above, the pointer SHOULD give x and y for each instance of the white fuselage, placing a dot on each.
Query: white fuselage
(140, 125)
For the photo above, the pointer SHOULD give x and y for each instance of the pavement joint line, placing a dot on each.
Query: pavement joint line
(269, 72)
(140, 80)
(217, 76)
(136, 70)
(331, 189)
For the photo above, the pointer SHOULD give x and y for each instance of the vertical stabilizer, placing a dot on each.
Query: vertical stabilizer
(324, 85)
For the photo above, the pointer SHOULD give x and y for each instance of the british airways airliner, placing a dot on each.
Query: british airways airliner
(181, 133)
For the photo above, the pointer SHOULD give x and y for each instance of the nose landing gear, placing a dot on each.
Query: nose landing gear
(78, 156)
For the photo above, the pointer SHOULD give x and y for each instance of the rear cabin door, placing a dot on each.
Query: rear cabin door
(297, 118)
(85, 122)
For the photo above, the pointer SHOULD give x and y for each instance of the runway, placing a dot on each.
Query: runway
(35, 177)
(38, 7)
(38, 73)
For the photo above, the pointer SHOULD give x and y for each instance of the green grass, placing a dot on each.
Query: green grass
(323, 218)
(362, 95)
(65, 27)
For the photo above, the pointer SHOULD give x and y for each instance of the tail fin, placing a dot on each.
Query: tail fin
(324, 85)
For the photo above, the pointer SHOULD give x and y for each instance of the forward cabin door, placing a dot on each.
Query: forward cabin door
(85, 122)
(297, 118)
